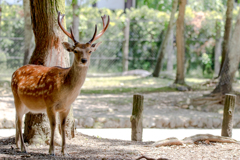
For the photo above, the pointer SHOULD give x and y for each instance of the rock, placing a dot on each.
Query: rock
(194, 122)
(165, 122)
(184, 106)
(111, 124)
(179, 122)
(172, 123)
(216, 122)
(125, 123)
(149, 123)
(182, 88)
(159, 123)
(209, 123)
(89, 122)
(200, 122)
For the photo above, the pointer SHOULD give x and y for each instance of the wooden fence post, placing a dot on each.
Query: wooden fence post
(136, 118)
(125, 48)
(227, 123)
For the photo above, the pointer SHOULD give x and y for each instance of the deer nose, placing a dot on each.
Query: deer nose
(84, 60)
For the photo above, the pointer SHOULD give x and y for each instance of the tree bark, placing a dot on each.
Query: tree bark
(218, 48)
(75, 23)
(49, 52)
(28, 33)
(125, 47)
(136, 118)
(163, 49)
(231, 62)
(170, 52)
(227, 32)
(180, 43)
(228, 113)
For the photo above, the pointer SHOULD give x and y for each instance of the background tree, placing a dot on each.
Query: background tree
(227, 32)
(48, 52)
(180, 43)
(163, 49)
(225, 84)
(28, 33)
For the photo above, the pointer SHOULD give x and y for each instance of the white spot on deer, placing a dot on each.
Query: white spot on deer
(45, 91)
(31, 77)
(19, 72)
(33, 94)
(39, 77)
(50, 87)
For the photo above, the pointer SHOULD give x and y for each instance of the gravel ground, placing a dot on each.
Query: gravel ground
(88, 147)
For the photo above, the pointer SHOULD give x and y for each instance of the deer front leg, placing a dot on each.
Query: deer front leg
(63, 117)
(52, 120)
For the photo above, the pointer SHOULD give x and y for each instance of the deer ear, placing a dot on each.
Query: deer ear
(95, 46)
(68, 46)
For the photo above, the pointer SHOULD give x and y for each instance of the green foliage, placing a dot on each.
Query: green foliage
(12, 26)
(147, 29)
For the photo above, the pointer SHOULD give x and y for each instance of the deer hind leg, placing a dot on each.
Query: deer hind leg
(20, 111)
(52, 119)
(63, 117)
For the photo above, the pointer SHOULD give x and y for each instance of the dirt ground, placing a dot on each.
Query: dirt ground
(87, 147)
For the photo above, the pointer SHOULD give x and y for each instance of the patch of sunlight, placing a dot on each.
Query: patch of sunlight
(196, 80)
(123, 81)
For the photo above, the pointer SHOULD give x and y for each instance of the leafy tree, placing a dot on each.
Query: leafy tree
(48, 52)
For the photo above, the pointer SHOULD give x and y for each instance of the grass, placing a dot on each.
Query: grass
(125, 84)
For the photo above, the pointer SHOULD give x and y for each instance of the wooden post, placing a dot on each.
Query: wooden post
(136, 118)
(229, 107)
(125, 48)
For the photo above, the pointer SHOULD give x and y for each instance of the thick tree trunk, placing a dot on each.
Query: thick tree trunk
(227, 32)
(163, 49)
(218, 48)
(49, 52)
(180, 43)
(231, 62)
(28, 33)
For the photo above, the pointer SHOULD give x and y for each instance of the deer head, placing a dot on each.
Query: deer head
(82, 51)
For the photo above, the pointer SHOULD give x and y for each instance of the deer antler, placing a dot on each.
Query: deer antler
(94, 38)
(70, 35)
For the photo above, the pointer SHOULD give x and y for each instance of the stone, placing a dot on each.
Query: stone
(89, 122)
(124, 123)
(216, 122)
(111, 124)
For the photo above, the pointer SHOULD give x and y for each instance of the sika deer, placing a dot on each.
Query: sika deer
(39, 89)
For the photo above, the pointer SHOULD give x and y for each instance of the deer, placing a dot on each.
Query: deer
(39, 89)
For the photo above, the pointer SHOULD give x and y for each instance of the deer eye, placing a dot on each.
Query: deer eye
(75, 51)
(90, 51)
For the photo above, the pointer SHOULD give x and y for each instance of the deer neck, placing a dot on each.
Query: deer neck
(76, 75)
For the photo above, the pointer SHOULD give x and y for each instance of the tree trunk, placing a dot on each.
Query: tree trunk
(28, 33)
(125, 47)
(227, 33)
(163, 49)
(180, 43)
(137, 118)
(170, 52)
(49, 52)
(228, 114)
(231, 62)
(75, 23)
(218, 48)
